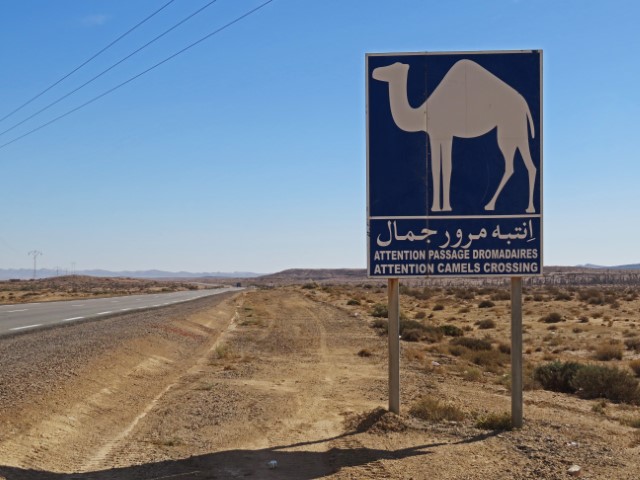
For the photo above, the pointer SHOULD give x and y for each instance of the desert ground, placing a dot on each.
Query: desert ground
(75, 287)
(290, 382)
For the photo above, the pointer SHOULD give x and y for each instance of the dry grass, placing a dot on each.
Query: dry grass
(495, 421)
(576, 324)
(608, 351)
(433, 410)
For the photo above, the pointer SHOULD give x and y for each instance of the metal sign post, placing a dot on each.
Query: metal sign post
(393, 288)
(516, 352)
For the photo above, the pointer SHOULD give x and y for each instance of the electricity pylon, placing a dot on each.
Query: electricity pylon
(35, 254)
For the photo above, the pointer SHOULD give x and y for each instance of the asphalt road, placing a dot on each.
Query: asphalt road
(26, 316)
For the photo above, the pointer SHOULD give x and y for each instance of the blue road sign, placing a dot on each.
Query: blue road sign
(454, 164)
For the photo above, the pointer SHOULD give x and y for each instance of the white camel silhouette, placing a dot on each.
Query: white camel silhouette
(469, 102)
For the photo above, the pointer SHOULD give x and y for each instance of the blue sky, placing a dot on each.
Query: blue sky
(248, 152)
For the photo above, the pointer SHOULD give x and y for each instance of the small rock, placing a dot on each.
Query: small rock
(572, 444)
(435, 364)
(272, 464)
(574, 470)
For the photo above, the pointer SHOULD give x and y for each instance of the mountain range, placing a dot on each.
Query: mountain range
(25, 273)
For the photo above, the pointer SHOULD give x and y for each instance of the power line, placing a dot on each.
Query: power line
(60, 117)
(108, 69)
(86, 61)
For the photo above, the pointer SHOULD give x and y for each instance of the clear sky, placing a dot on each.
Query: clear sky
(248, 152)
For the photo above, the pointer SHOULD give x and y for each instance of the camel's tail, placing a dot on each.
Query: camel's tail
(531, 127)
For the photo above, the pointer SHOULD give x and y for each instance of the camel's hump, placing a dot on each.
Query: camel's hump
(467, 65)
(469, 71)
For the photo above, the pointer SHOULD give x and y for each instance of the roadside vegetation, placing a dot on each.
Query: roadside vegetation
(579, 341)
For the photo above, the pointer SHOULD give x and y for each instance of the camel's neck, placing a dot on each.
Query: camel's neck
(406, 117)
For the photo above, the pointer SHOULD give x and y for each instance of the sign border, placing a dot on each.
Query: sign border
(540, 166)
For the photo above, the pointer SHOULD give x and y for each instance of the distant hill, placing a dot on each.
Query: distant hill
(25, 273)
(309, 275)
(633, 266)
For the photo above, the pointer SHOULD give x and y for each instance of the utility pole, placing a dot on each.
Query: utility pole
(35, 254)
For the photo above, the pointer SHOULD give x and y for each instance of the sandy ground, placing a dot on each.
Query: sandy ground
(225, 387)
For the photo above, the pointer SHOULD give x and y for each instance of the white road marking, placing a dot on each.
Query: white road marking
(12, 311)
(72, 318)
(103, 313)
(124, 309)
(28, 326)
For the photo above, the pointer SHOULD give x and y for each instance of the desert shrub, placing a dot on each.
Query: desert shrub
(631, 422)
(414, 354)
(563, 296)
(599, 407)
(557, 376)
(433, 410)
(608, 351)
(486, 324)
(381, 324)
(495, 421)
(309, 286)
(491, 360)
(420, 294)
(438, 306)
(411, 335)
(457, 350)
(451, 330)
(528, 381)
(635, 366)
(419, 315)
(592, 296)
(465, 294)
(598, 381)
(632, 344)
(464, 310)
(584, 319)
(553, 317)
(501, 295)
(365, 352)
(471, 343)
(486, 304)
(504, 348)
(353, 301)
(472, 374)
(408, 324)
(380, 311)
(222, 351)
(414, 331)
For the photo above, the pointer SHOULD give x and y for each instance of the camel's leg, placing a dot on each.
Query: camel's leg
(508, 151)
(446, 174)
(531, 170)
(435, 173)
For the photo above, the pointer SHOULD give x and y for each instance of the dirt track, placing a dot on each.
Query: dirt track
(221, 389)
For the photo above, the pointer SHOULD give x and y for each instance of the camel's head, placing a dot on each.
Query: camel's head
(390, 72)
